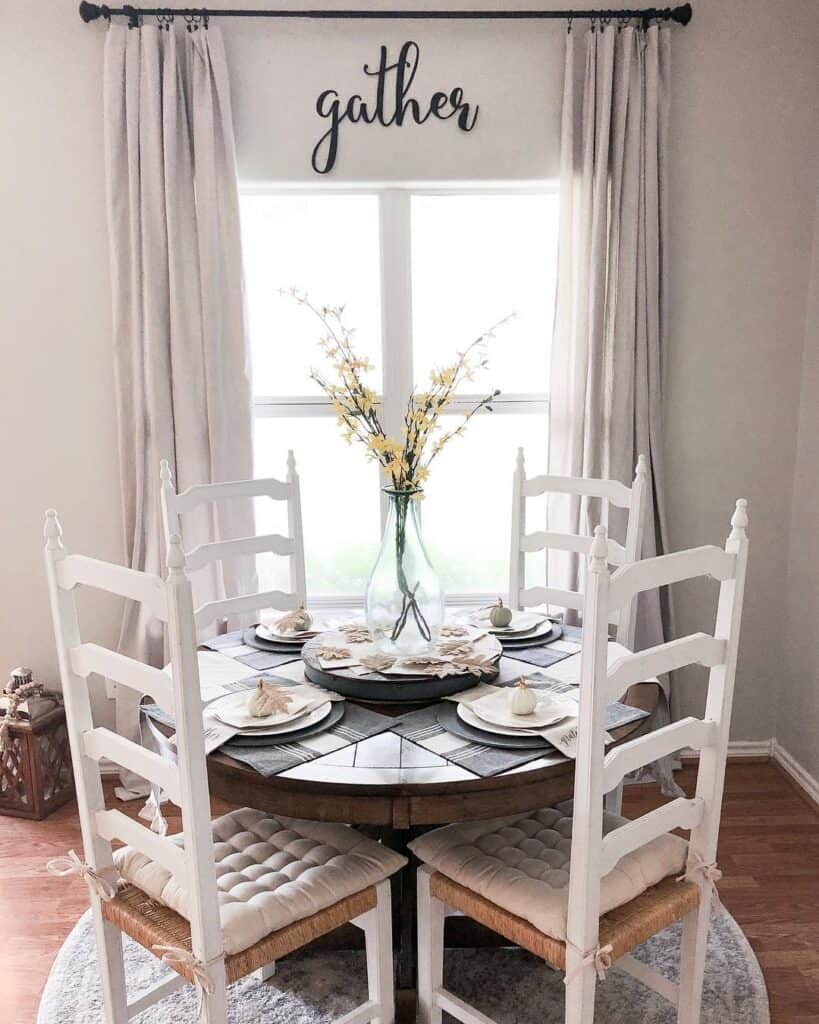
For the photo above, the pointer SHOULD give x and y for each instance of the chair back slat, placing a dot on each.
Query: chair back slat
(87, 659)
(679, 813)
(218, 551)
(274, 543)
(114, 825)
(184, 780)
(213, 610)
(542, 540)
(663, 570)
(610, 492)
(687, 733)
(199, 494)
(148, 590)
(101, 743)
(696, 649)
(593, 855)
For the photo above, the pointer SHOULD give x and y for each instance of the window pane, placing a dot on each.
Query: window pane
(467, 509)
(339, 501)
(326, 246)
(475, 259)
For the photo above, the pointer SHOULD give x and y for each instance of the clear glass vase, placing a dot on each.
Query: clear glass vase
(404, 604)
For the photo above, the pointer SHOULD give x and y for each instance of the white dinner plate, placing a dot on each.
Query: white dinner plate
(468, 715)
(300, 722)
(266, 633)
(232, 710)
(495, 711)
(523, 624)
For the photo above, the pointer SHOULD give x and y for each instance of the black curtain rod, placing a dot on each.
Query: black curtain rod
(681, 15)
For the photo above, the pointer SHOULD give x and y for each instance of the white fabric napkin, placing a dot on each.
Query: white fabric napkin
(563, 735)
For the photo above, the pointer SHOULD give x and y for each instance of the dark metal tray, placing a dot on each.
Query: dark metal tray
(383, 688)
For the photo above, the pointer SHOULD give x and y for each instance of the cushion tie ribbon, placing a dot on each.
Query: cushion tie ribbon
(71, 864)
(199, 972)
(599, 958)
(703, 874)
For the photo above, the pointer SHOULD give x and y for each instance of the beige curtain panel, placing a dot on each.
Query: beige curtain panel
(182, 366)
(606, 383)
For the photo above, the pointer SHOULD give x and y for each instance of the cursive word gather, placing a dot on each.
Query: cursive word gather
(391, 104)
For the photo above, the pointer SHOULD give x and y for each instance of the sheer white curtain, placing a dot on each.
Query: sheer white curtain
(182, 366)
(606, 383)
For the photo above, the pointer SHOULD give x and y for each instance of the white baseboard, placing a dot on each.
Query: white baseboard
(737, 748)
(801, 776)
(750, 748)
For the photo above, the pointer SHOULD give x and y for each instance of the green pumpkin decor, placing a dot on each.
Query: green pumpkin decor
(500, 616)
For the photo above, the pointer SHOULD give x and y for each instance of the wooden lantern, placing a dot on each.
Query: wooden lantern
(35, 759)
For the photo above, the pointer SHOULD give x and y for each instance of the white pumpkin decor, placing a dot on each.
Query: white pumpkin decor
(522, 700)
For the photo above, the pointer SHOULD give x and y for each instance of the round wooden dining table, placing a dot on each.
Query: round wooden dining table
(393, 788)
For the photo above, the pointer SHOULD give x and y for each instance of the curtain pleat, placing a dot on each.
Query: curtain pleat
(606, 394)
(182, 369)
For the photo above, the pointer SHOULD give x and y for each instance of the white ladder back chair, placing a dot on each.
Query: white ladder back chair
(593, 855)
(185, 782)
(632, 499)
(606, 912)
(198, 942)
(174, 506)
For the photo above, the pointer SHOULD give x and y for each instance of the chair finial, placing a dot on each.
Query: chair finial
(176, 556)
(520, 462)
(739, 520)
(53, 531)
(642, 467)
(291, 464)
(599, 551)
(165, 472)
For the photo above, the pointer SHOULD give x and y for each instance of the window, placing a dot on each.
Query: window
(421, 272)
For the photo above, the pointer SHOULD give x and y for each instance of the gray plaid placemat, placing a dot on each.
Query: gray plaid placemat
(357, 724)
(231, 645)
(422, 727)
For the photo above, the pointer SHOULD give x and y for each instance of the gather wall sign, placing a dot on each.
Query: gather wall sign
(391, 104)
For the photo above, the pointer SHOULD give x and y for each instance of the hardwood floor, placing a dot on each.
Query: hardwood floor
(769, 852)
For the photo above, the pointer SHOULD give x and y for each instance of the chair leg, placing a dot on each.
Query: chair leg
(430, 949)
(112, 968)
(579, 990)
(214, 1004)
(378, 940)
(267, 972)
(613, 801)
(692, 959)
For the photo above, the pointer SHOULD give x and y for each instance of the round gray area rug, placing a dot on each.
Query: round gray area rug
(510, 985)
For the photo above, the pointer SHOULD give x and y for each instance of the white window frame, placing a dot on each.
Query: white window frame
(397, 369)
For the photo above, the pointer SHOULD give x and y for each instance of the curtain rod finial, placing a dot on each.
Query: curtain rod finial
(90, 12)
(682, 15)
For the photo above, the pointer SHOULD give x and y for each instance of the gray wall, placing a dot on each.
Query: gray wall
(743, 177)
(744, 135)
(797, 715)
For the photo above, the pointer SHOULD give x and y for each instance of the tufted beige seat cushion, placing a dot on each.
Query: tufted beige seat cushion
(270, 871)
(522, 864)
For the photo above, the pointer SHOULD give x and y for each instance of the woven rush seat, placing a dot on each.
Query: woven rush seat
(271, 872)
(517, 870)
(151, 924)
(624, 928)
